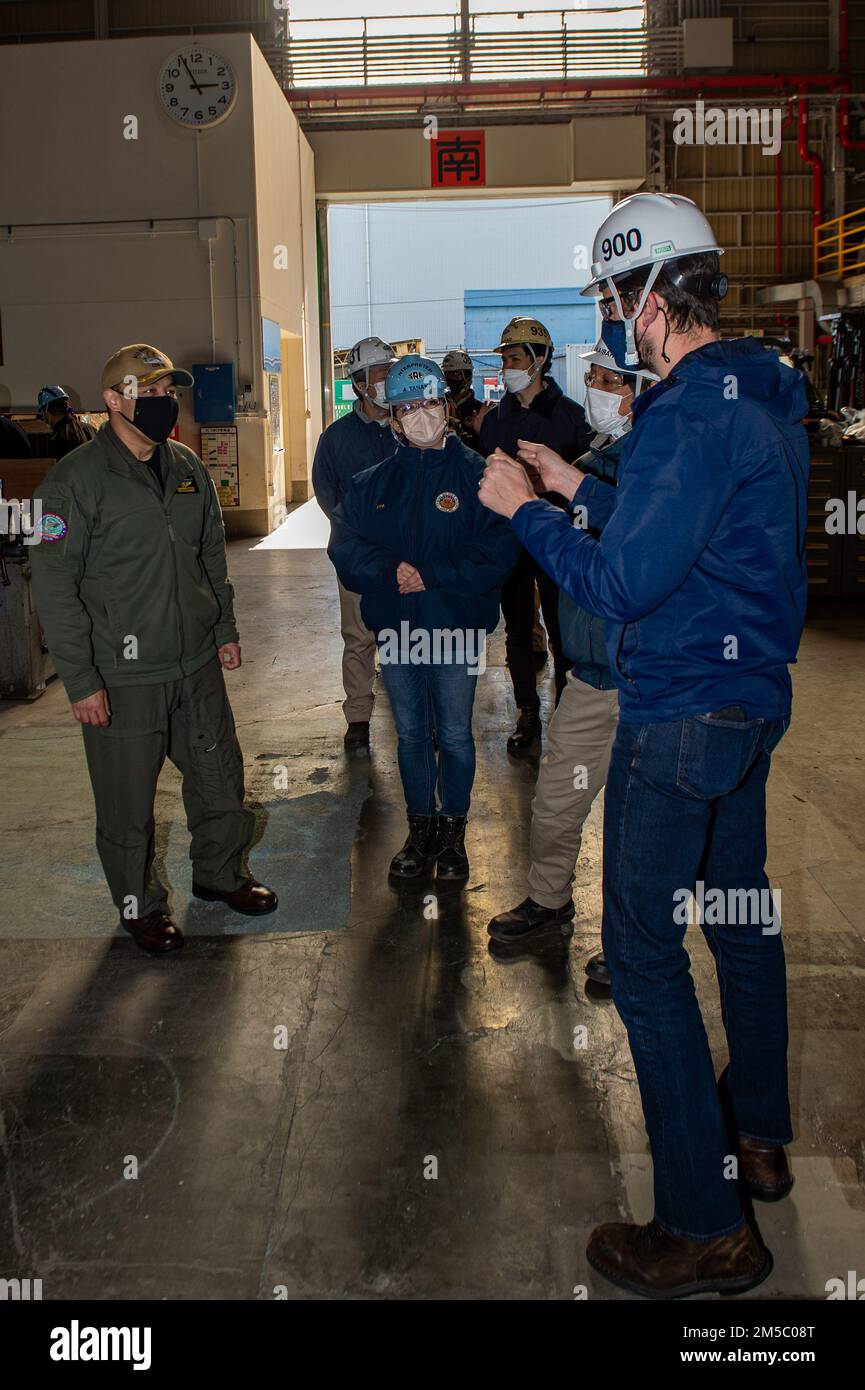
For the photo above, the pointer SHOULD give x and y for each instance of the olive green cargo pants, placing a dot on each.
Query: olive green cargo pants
(190, 722)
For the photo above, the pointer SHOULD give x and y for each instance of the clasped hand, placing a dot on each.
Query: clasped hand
(408, 579)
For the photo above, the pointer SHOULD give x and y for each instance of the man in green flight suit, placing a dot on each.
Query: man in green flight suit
(131, 584)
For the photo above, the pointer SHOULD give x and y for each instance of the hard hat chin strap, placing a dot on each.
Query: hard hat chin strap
(632, 356)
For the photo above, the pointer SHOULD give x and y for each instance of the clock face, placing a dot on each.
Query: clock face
(197, 87)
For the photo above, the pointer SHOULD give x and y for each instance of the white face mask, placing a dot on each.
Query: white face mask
(602, 412)
(516, 379)
(424, 428)
(377, 393)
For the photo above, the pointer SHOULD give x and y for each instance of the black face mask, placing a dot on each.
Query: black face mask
(156, 416)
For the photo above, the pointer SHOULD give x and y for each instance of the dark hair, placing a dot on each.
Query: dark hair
(536, 349)
(686, 310)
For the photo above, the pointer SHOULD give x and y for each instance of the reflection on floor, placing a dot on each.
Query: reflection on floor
(305, 528)
(360, 1100)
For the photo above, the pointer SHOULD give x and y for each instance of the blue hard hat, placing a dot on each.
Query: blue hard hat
(49, 395)
(414, 378)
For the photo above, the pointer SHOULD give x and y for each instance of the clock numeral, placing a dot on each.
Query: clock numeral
(174, 72)
(195, 57)
(211, 111)
(173, 101)
(199, 115)
(185, 110)
(169, 87)
(220, 72)
(225, 86)
(223, 101)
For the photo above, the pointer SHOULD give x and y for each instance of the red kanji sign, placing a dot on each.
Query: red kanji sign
(458, 159)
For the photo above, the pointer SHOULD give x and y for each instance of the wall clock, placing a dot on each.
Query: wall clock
(197, 87)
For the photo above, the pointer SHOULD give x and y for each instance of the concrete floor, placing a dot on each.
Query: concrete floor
(428, 1129)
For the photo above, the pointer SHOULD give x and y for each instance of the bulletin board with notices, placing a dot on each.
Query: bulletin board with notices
(219, 454)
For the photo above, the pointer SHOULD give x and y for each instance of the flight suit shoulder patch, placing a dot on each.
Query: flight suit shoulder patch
(189, 484)
(52, 526)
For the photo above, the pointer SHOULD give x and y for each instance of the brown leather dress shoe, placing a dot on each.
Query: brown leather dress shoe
(648, 1261)
(251, 898)
(156, 932)
(764, 1170)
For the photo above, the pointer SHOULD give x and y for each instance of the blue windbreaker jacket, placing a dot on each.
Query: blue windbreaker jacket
(348, 446)
(700, 571)
(422, 506)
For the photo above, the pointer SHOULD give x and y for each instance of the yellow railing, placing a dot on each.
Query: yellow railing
(839, 246)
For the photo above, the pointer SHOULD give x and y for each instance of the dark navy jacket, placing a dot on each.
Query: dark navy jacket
(348, 446)
(583, 637)
(552, 418)
(700, 571)
(422, 506)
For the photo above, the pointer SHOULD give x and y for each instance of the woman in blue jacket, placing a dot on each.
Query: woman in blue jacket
(428, 559)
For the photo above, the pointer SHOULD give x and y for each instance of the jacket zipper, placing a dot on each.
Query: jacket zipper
(176, 590)
(414, 518)
(172, 538)
(165, 503)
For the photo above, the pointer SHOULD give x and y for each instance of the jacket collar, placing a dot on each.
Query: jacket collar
(544, 403)
(411, 457)
(121, 460)
(368, 419)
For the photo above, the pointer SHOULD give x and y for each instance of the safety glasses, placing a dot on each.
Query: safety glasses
(590, 380)
(409, 407)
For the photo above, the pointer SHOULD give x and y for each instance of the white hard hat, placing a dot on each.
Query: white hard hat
(644, 229)
(600, 356)
(457, 361)
(370, 352)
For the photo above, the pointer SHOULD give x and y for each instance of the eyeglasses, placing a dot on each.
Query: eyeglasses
(409, 407)
(608, 306)
(590, 380)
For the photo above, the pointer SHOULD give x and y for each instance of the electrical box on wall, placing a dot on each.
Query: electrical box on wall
(214, 392)
(707, 43)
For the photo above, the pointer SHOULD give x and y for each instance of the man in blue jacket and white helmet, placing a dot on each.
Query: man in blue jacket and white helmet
(700, 576)
(412, 538)
(349, 445)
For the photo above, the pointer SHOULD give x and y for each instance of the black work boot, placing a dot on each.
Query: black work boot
(418, 850)
(530, 920)
(357, 734)
(598, 971)
(526, 737)
(451, 858)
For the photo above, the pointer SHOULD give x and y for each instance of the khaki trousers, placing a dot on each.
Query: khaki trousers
(358, 659)
(573, 770)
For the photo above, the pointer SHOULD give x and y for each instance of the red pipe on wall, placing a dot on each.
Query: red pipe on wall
(815, 162)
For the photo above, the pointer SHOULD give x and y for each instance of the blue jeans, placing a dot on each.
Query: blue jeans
(685, 808)
(423, 698)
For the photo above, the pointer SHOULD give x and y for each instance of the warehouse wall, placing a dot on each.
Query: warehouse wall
(287, 260)
(130, 263)
(592, 155)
